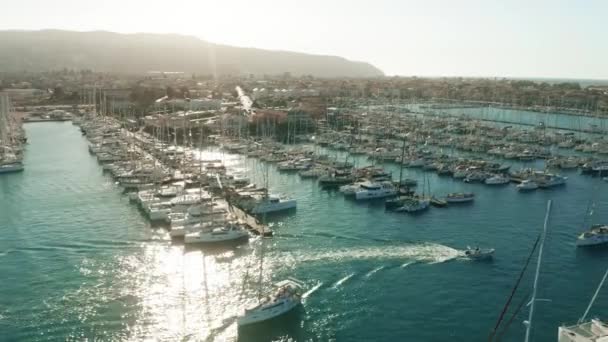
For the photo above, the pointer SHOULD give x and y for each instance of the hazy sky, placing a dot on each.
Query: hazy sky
(534, 38)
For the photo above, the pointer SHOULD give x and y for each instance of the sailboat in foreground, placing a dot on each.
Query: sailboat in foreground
(285, 298)
(591, 331)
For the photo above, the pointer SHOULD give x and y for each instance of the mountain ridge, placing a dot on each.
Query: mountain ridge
(141, 52)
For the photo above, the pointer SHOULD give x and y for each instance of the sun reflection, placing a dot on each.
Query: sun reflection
(165, 292)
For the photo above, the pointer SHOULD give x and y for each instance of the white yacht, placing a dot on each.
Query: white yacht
(597, 235)
(286, 298)
(376, 190)
(527, 185)
(497, 180)
(225, 234)
(273, 203)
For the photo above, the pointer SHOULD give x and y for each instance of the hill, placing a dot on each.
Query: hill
(135, 53)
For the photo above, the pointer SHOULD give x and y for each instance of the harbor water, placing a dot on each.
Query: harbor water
(78, 261)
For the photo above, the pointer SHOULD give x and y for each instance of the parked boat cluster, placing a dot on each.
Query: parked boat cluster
(198, 200)
(379, 134)
(12, 139)
(194, 197)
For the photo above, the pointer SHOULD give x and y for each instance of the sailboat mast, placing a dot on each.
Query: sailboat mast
(597, 291)
(401, 162)
(538, 263)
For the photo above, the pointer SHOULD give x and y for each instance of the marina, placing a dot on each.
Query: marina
(327, 230)
(240, 177)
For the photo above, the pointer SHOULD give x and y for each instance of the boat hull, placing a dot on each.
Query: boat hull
(270, 316)
(11, 168)
(265, 208)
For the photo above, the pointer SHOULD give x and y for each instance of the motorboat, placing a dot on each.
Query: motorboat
(460, 197)
(273, 203)
(597, 235)
(376, 190)
(230, 233)
(497, 180)
(527, 185)
(479, 253)
(551, 181)
(285, 298)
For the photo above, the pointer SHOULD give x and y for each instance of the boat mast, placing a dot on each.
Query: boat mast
(533, 300)
(597, 291)
(401, 162)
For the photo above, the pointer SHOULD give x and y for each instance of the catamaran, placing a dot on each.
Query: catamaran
(591, 331)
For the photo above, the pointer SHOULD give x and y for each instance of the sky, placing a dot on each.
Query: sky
(487, 38)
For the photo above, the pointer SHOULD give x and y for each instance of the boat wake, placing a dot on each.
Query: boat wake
(311, 291)
(407, 264)
(342, 281)
(370, 273)
(425, 253)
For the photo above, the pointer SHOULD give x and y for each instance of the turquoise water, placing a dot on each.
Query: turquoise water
(521, 117)
(78, 261)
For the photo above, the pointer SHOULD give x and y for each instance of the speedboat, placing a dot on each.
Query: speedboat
(460, 197)
(597, 235)
(479, 254)
(226, 234)
(527, 185)
(286, 297)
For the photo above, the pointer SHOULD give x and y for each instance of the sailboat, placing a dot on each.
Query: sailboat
(9, 161)
(285, 297)
(540, 241)
(533, 299)
(586, 331)
(596, 235)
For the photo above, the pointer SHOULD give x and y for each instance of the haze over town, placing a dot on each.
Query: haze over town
(517, 38)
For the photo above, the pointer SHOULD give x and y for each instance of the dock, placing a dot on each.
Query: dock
(252, 224)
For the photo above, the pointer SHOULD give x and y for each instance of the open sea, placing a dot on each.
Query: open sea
(79, 262)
